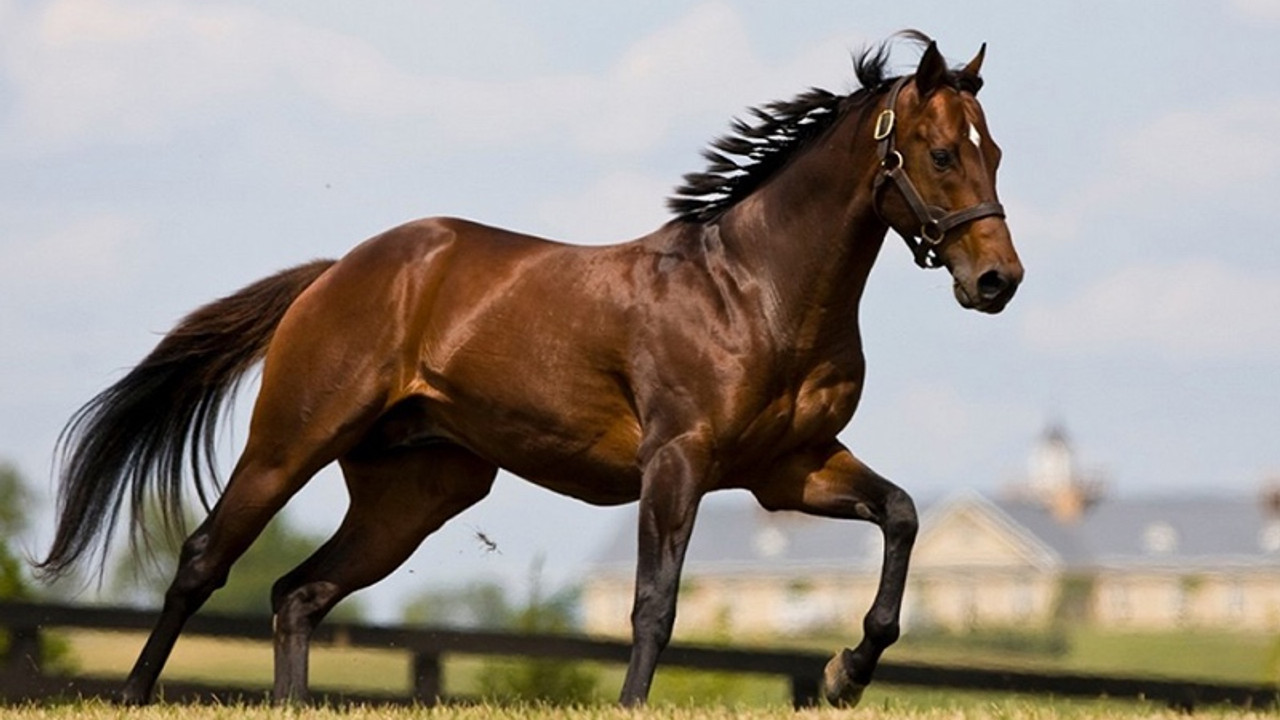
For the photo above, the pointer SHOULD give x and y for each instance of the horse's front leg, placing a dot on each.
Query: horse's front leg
(831, 482)
(673, 477)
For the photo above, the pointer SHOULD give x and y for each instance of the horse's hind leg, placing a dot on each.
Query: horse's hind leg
(398, 497)
(254, 494)
(302, 421)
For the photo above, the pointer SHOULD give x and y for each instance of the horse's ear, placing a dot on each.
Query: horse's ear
(971, 74)
(932, 71)
(974, 68)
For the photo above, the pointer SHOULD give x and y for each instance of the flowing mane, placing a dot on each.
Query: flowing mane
(742, 160)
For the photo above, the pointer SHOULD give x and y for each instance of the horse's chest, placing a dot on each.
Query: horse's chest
(812, 412)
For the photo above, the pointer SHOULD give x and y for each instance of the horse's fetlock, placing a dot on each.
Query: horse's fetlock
(661, 633)
(881, 628)
(657, 625)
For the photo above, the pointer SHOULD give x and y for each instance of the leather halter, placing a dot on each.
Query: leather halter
(934, 221)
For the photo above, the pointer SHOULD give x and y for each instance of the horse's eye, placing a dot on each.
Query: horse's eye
(941, 158)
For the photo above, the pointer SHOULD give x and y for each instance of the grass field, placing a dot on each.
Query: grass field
(677, 694)
(106, 654)
(1200, 655)
(1193, 655)
(1007, 710)
(1246, 658)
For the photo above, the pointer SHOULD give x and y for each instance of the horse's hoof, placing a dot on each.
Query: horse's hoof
(292, 699)
(839, 689)
(128, 698)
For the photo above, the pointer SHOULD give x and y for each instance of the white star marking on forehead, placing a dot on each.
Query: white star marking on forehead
(974, 136)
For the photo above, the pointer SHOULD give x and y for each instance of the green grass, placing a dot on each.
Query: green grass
(1199, 656)
(1242, 658)
(233, 662)
(1246, 658)
(249, 664)
(1014, 709)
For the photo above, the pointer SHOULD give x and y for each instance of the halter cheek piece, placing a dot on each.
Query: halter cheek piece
(934, 221)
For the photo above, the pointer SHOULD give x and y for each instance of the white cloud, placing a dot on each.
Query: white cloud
(1041, 227)
(1196, 151)
(89, 71)
(59, 289)
(86, 70)
(82, 256)
(1264, 10)
(678, 70)
(703, 63)
(1196, 308)
(617, 207)
(962, 434)
(1227, 156)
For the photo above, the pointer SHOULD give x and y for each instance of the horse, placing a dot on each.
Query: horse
(720, 351)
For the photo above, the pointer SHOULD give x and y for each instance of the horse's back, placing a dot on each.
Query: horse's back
(507, 344)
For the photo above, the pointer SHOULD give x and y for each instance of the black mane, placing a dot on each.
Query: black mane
(741, 161)
(753, 152)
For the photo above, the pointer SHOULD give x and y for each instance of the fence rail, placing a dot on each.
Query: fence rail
(22, 677)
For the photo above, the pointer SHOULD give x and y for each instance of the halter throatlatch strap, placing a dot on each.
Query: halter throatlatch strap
(934, 221)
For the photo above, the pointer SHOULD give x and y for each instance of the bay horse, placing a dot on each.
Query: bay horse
(720, 351)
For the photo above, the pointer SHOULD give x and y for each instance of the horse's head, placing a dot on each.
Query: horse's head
(938, 156)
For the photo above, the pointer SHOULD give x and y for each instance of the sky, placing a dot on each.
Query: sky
(158, 155)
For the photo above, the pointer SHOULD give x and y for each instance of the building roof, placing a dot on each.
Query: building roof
(735, 535)
(943, 526)
(1186, 533)
(1158, 533)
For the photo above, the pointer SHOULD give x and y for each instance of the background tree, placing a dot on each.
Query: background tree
(15, 506)
(141, 577)
(477, 605)
(487, 605)
(15, 582)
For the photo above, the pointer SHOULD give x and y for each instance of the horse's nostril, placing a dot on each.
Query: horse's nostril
(991, 284)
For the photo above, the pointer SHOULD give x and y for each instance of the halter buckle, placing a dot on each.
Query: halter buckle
(884, 123)
(932, 233)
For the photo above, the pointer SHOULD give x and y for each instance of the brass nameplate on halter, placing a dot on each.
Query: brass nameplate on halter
(884, 124)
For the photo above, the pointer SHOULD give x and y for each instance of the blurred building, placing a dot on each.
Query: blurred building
(1052, 548)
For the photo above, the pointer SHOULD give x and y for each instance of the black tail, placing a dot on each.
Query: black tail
(137, 436)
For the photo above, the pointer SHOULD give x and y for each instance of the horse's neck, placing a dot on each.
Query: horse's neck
(811, 236)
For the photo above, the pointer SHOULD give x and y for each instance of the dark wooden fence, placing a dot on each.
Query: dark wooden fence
(22, 678)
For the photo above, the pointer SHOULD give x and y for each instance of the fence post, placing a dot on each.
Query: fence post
(23, 657)
(805, 688)
(427, 676)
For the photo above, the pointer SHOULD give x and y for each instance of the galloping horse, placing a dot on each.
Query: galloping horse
(720, 351)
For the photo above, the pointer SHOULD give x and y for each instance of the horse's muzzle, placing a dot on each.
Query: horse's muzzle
(991, 290)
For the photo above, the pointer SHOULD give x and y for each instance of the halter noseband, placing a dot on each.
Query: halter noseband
(934, 221)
